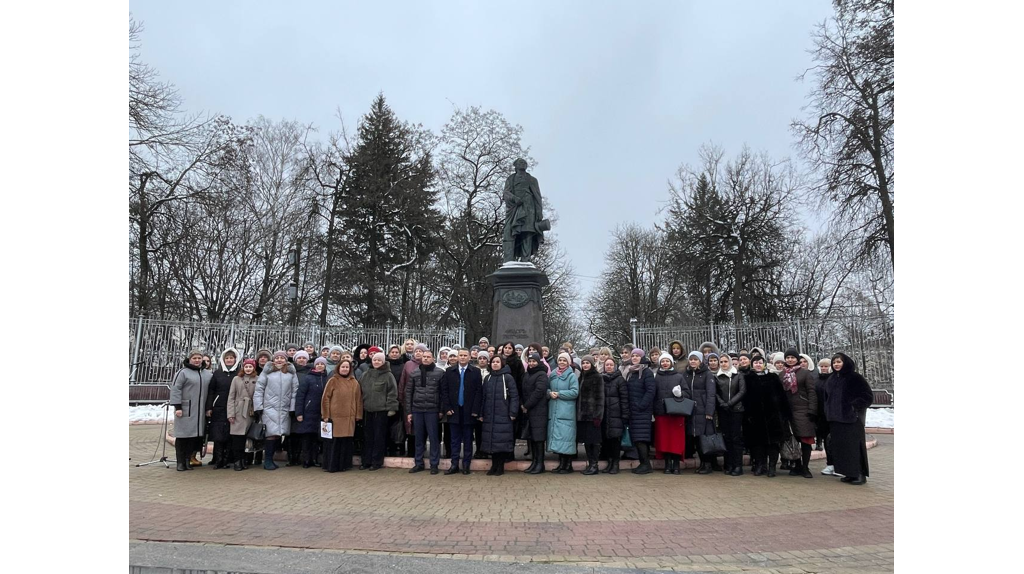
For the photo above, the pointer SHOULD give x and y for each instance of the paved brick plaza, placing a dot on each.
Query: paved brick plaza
(688, 522)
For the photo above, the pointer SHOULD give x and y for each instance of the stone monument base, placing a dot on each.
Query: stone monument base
(518, 308)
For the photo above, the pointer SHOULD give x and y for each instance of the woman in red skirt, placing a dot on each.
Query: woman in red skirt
(669, 430)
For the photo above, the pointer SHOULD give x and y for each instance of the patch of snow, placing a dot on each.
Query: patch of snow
(518, 265)
(138, 413)
(880, 418)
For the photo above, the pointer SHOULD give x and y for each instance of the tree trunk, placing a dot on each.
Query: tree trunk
(143, 246)
(883, 180)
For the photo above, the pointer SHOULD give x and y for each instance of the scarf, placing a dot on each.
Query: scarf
(789, 378)
(561, 370)
(635, 368)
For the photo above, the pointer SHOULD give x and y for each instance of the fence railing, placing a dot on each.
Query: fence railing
(158, 347)
(868, 340)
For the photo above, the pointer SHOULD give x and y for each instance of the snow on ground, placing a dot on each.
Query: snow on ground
(138, 413)
(880, 418)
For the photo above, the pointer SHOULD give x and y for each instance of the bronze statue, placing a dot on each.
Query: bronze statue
(524, 215)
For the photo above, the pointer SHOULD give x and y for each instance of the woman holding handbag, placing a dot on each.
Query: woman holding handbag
(641, 386)
(341, 405)
(669, 429)
(274, 399)
(803, 404)
(616, 413)
(240, 411)
(703, 388)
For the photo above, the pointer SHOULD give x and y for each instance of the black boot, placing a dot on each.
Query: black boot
(715, 467)
(771, 470)
(269, 447)
(615, 465)
(758, 470)
(500, 463)
(181, 453)
(538, 457)
(533, 458)
(568, 463)
(645, 462)
(805, 460)
(591, 460)
(677, 463)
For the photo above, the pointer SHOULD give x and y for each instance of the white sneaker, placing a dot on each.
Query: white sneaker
(828, 470)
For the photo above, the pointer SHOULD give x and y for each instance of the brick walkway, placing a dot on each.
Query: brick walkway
(687, 522)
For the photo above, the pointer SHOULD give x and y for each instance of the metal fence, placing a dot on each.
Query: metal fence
(157, 347)
(868, 340)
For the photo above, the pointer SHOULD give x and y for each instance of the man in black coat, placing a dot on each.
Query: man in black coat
(462, 399)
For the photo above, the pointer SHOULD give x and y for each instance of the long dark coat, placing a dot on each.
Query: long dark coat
(703, 388)
(307, 401)
(847, 395)
(765, 410)
(616, 404)
(535, 399)
(641, 404)
(500, 405)
(803, 404)
(664, 382)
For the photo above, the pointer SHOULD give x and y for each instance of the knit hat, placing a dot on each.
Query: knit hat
(195, 352)
(309, 344)
(671, 361)
(475, 348)
(301, 354)
(328, 347)
(715, 355)
(374, 350)
(281, 354)
(421, 347)
(535, 356)
(519, 348)
(249, 362)
(378, 354)
(638, 351)
(590, 359)
(394, 347)
(566, 355)
(290, 346)
(483, 354)
(792, 352)
(338, 348)
(443, 350)
(320, 361)
(780, 357)
(695, 354)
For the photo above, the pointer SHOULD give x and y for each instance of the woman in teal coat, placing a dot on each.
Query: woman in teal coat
(563, 389)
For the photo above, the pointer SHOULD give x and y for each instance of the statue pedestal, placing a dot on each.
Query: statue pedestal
(518, 308)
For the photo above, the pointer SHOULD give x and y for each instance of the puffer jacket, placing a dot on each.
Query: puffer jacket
(307, 401)
(590, 403)
(275, 396)
(703, 388)
(562, 412)
(641, 403)
(731, 388)
(664, 382)
(616, 404)
(500, 406)
(379, 390)
(423, 393)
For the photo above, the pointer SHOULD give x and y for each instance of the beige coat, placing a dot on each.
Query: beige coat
(240, 402)
(342, 404)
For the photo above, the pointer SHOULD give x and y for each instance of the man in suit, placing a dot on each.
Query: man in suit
(461, 400)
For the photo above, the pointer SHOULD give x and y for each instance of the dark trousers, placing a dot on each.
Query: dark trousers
(478, 433)
(691, 444)
(375, 426)
(731, 426)
(765, 454)
(338, 454)
(425, 425)
(238, 446)
(462, 441)
(310, 447)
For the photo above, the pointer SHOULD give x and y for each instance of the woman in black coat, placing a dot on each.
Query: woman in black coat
(640, 382)
(765, 417)
(535, 407)
(217, 408)
(518, 371)
(500, 409)
(731, 389)
(616, 413)
(590, 411)
(307, 411)
(703, 386)
(847, 398)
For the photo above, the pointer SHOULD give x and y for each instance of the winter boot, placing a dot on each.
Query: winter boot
(592, 452)
(538, 457)
(269, 446)
(642, 450)
(771, 470)
(180, 454)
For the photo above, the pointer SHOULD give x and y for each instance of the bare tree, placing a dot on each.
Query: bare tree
(849, 134)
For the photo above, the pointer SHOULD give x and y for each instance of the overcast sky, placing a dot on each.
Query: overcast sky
(612, 97)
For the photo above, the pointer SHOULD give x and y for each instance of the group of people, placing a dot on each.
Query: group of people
(324, 410)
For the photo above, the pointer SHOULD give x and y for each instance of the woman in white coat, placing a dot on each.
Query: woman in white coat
(274, 402)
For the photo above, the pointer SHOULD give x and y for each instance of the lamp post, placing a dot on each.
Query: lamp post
(632, 325)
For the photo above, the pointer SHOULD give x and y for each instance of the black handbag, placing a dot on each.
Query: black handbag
(679, 406)
(257, 431)
(712, 444)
